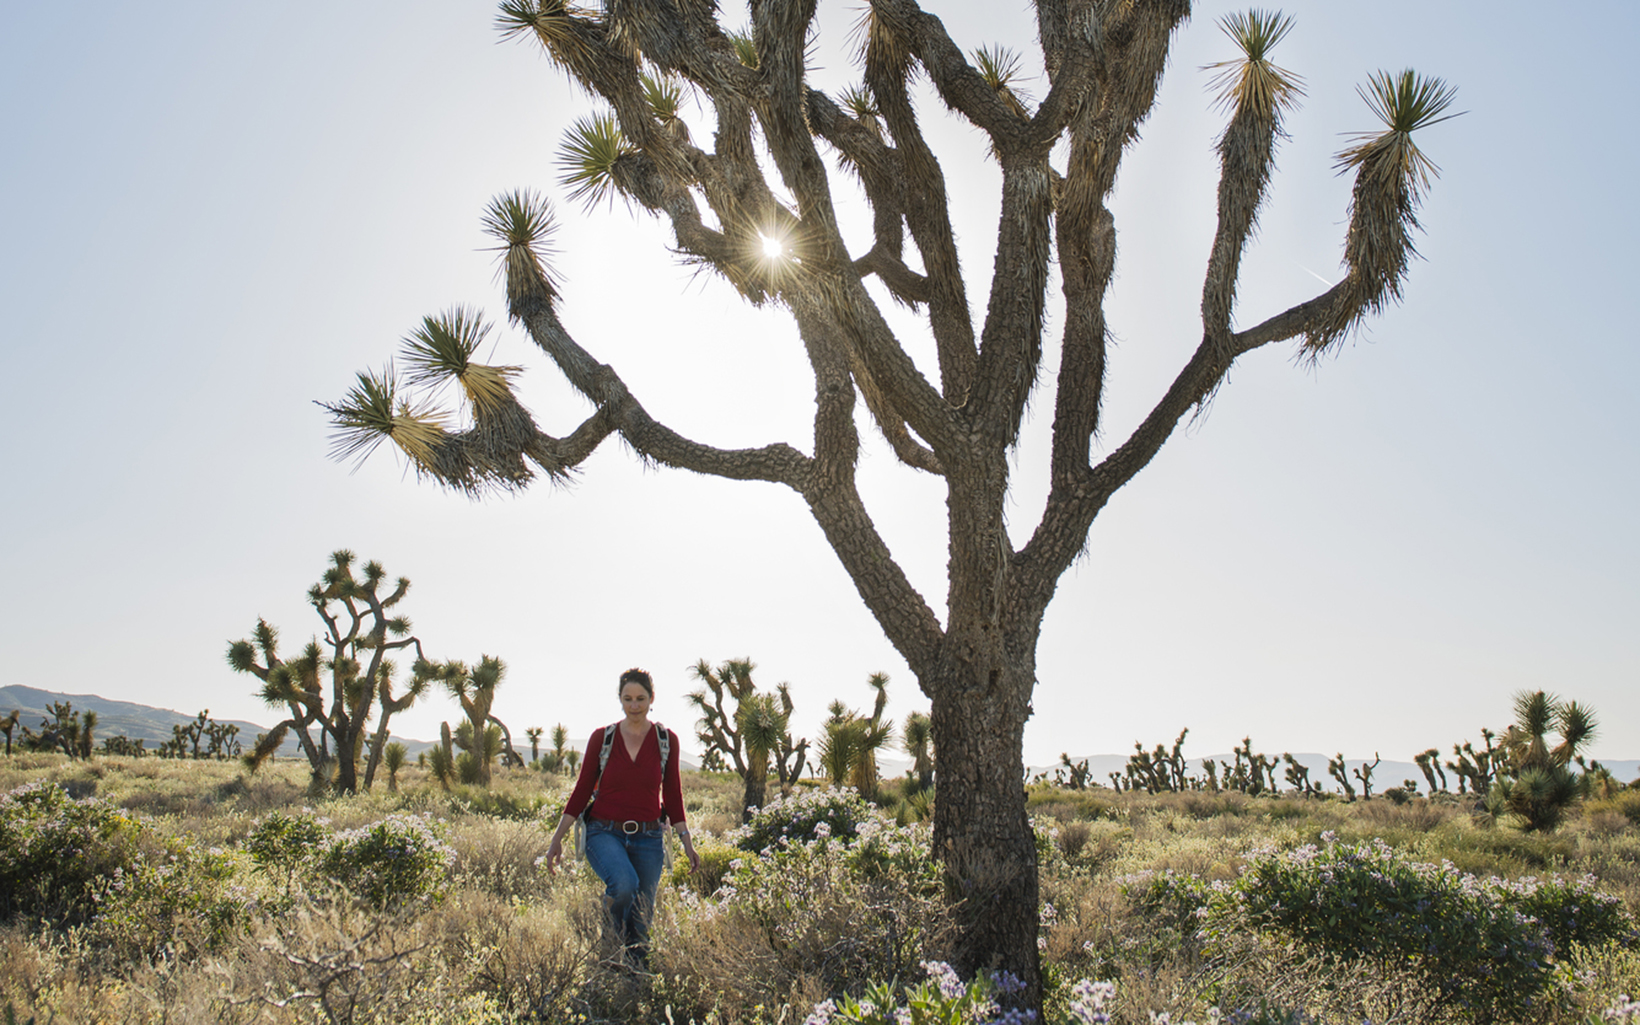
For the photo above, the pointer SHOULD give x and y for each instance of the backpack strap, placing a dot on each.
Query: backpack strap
(664, 735)
(609, 743)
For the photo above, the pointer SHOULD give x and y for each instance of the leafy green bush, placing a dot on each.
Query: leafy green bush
(714, 868)
(499, 804)
(801, 817)
(163, 905)
(54, 850)
(399, 858)
(282, 844)
(1485, 946)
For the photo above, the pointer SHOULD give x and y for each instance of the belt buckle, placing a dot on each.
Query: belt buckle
(631, 827)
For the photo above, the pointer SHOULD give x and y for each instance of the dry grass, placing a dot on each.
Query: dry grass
(503, 942)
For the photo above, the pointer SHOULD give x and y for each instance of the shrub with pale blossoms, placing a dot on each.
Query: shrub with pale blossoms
(802, 816)
(944, 999)
(401, 857)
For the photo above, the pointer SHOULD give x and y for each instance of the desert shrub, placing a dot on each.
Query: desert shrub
(1479, 943)
(500, 857)
(500, 804)
(55, 850)
(528, 958)
(847, 913)
(715, 859)
(282, 844)
(1171, 901)
(798, 817)
(1068, 805)
(1573, 911)
(167, 905)
(1624, 802)
(388, 862)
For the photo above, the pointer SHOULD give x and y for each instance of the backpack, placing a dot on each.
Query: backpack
(662, 735)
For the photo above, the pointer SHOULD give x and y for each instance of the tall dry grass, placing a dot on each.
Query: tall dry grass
(504, 942)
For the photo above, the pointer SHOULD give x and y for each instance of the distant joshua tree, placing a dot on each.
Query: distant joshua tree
(358, 623)
(474, 687)
(918, 737)
(393, 757)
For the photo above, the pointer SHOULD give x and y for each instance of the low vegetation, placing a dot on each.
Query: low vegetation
(147, 890)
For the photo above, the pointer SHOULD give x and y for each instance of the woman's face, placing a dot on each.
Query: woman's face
(634, 699)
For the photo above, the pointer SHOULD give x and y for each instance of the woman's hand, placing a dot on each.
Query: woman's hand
(694, 859)
(555, 851)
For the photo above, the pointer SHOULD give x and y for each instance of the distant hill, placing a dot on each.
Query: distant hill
(141, 722)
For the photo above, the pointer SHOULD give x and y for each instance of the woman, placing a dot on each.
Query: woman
(633, 799)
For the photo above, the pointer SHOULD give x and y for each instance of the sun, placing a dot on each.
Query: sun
(773, 248)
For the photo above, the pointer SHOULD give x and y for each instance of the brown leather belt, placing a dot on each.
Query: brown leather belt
(631, 826)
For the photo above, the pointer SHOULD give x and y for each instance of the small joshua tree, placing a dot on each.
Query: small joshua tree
(1476, 770)
(1540, 785)
(848, 750)
(718, 730)
(1337, 770)
(1298, 775)
(1364, 774)
(393, 757)
(8, 724)
(1429, 763)
(917, 735)
(762, 724)
(534, 733)
(474, 687)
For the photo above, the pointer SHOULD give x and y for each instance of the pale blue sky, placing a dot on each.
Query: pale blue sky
(214, 214)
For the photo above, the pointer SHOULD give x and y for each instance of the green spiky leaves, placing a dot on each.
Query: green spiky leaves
(588, 156)
(1251, 82)
(745, 48)
(522, 222)
(1391, 176)
(999, 67)
(375, 410)
(664, 96)
(1405, 103)
(552, 22)
(442, 349)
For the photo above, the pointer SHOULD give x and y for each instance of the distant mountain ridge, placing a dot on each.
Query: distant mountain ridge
(140, 722)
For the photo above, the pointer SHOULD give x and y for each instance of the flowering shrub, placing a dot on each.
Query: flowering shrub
(399, 858)
(54, 850)
(802, 816)
(863, 910)
(943, 999)
(180, 898)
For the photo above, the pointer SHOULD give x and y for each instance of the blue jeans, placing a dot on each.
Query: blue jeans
(630, 865)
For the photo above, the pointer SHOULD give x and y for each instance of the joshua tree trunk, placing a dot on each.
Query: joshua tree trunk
(981, 831)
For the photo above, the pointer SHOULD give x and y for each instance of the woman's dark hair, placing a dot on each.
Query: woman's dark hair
(639, 677)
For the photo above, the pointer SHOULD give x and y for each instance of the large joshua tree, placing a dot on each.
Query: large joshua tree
(1059, 157)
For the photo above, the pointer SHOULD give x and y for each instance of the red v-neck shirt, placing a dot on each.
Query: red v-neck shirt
(630, 790)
